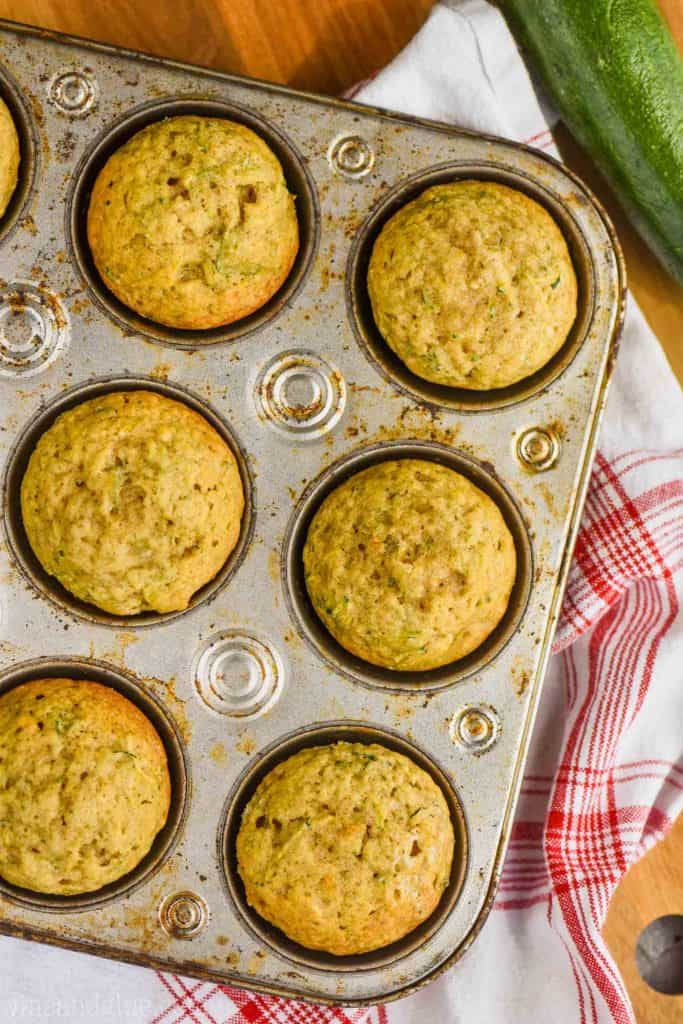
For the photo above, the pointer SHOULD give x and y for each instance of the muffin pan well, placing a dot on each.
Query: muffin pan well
(389, 363)
(16, 465)
(305, 392)
(317, 736)
(152, 707)
(298, 182)
(29, 149)
(312, 629)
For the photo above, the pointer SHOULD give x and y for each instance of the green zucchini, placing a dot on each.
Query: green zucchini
(615, 75)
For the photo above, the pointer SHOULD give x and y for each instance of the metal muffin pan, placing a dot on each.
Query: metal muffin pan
(304, 391)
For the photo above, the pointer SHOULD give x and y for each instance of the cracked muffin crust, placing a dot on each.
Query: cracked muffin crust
(133, 501)
(190, 222)
(84, 786)
(9, 157)
(346, 847)
(409, 565)
(472, 285)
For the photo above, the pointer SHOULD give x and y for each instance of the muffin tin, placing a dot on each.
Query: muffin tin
(305, 392)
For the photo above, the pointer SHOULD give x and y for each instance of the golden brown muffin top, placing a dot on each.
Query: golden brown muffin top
(409, 565)
(9, 156)
(133, 501)
(472, 285)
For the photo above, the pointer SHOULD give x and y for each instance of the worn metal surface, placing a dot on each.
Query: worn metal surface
(301, 386)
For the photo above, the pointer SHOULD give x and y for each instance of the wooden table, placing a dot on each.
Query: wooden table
(326, 46)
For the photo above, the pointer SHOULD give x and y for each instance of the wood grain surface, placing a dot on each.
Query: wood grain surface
(653, 887)
(326, 46)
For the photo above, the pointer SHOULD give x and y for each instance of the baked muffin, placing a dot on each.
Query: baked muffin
(9, 157)
(472, 285)
(190, 222)
(84, 786)
(133, 501)
(346, 847)
(409, 565)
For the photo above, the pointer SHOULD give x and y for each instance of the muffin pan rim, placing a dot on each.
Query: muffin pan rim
(311, 629)
(112, 138)
(14, 532)
(243, 789)
(123, 681)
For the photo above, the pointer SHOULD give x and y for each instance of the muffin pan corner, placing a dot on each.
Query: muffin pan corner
(304, 391)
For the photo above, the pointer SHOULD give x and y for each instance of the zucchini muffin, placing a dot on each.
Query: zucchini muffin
(84, 786)
(409, 565)
(472, 285)
(346, 847)
(133, 501)
(190, 222)
(9, 157)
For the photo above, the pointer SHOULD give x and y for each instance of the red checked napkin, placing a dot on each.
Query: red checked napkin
(605, 777)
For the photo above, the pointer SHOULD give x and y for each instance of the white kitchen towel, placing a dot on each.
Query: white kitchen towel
(605, 777)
